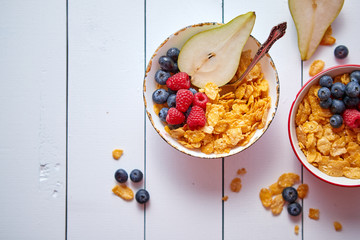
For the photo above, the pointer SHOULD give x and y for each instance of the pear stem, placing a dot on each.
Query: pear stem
(276, 33)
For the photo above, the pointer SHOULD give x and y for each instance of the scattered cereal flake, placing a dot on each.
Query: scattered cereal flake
(235, 185)
(225, 198)
(302, 190)
(117, 153)
(316, 67)
(241, 171)
(296, 229)
(277, 204)
(337, 226)
(327, 38)
(275, 189)
(123, 191)
(288, 179)
(265, 197)
(314, 213)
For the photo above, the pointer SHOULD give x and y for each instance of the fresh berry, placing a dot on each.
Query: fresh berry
(175, 117)
(336, 121)
(196, 118)
(324, 93)
(337, 106)
(163, 113)
(355, 76)
(162, 76)
(326, 103)
(171, 101)
(352, 89)
(351, 118)
(178, 81)
(351, 102)
(338, 90)
(341, 51)
(142, 196)
(167, 64)
(121, 175)
(290, 194)
(193, 90)
(200, 99)
(173, 53)
(326, 81)
(294, 209)
(160, 96)
(136, 175)
(184, 98)
(188, 112)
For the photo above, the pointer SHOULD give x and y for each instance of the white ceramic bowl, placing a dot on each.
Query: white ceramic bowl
(177, 40)
(340, 181)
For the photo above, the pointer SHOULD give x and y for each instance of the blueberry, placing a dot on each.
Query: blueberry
(337, 90)
(136, 175)
(163, 113)
(160, 96)
(324, 93)
(351, 102)
(355, 76)
(290, 194)
(173, 53)
(167, 64)
(341, 52)
(193, 90)
(171, 101)
(337, 106)
(326, 81)
(326, 103)
(161, 76)
(121, 175)
(170, 91)
(142, 196)
(352, 89)
(294, 209)
(188, 112)
(336, 121)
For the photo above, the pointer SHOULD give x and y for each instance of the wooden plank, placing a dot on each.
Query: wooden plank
(186, 192)
(33, 119)
(106, 42)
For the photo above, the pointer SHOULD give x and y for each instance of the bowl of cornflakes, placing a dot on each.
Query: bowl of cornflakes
(320, 134)
(235, 118)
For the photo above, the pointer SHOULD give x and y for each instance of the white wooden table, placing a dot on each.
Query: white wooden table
(71, 75)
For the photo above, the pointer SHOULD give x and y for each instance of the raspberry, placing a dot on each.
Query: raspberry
(352, 118)
(174, 117)
(196, 118)
(178, 81)
(200, 99)
(184, 99)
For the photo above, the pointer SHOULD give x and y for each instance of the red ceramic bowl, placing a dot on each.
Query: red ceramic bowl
(340, 181)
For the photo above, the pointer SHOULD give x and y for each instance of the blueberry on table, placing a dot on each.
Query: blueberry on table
(355, 76)
(121, 175)
(161, 76)
(326, 81)
(338, 90)
(341, 51)
(337, 106)
(167, 64)
(136, 175)
(290, 194)
(326, 103)
(163, 113)
(336, 121)
(160, 96)
(294, 209)
(173, 53)
(142, 196)
(352, 89)
(324, 93)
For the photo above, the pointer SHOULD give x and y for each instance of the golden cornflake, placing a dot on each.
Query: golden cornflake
(124, 192)
(288, 179)
(225, 198)
(327, 38)
(241, 171)
(117, 153)
(337, 226)
(296, 229)
(314, 213)
(277, 204)
(235, 185)
(265, 197)
(302, 190)
(316, 67)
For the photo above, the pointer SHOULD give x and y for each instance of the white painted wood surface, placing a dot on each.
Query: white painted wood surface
(63, 111)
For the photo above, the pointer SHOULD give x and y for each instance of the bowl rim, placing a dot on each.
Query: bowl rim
(291, 113)
(209, 156)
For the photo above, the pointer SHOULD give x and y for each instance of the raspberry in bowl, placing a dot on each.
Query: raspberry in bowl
(324, 125)
(201, 121)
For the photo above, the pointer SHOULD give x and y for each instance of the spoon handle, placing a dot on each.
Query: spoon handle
(276, 33)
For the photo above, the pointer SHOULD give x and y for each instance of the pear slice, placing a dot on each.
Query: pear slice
(213, 55)
(312, 18)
